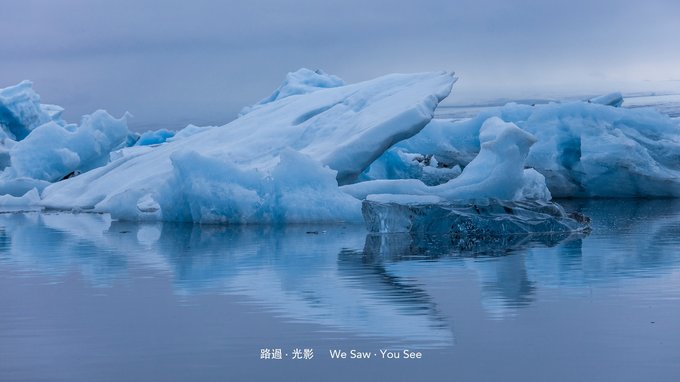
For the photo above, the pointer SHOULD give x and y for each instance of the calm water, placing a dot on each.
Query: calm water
(83, 298)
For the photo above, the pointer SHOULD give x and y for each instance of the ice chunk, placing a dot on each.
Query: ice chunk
(583, 149)
(302, 81)
(38, 147)
(497, 172)
(131, 139)
(221, 174)
(21, 112)
(20, 186)
(465, 221)
(6, 145)
(154, 137)
(52, 151)
(612, 99)
(27, 202)
(592, 150)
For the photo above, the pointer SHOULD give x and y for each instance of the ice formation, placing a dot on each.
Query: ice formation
(583, 149)
(494, 197)
(157, 137)
(30, 201)
(316, 148)
(51, 151)
(37, 147)
(154, 137)
(497, 172)
(278, 163)
(612, 99)
(21, 111)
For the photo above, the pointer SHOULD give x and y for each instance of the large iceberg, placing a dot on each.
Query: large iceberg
(583, 149)
(317, 148)
(279, 162)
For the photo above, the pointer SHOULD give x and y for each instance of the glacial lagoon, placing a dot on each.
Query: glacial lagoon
(87, 298)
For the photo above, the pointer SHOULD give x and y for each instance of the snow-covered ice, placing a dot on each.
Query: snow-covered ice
(279, 162)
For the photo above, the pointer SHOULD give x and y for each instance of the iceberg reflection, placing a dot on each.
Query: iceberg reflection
(298, 273)
(340, 277)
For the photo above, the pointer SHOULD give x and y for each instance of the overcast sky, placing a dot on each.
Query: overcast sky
(174, 62)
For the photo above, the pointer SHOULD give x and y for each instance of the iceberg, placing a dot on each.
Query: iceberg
(21, 111)
(30, 201)
(51, 151)
(154, 137)
(318, 150)
(279, 162)
(494, 200)
(583, 149)
(160, 136)
(37, 147)
(497, 172)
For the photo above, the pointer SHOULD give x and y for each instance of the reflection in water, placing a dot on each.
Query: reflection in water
(338, 276)
(300, 274)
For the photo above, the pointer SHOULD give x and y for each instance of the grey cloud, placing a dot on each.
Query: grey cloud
(173, 62)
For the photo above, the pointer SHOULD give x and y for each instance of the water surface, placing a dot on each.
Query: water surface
(84, 298)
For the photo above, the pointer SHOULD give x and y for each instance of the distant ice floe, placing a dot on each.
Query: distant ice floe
(583, 149)
(316, 148)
